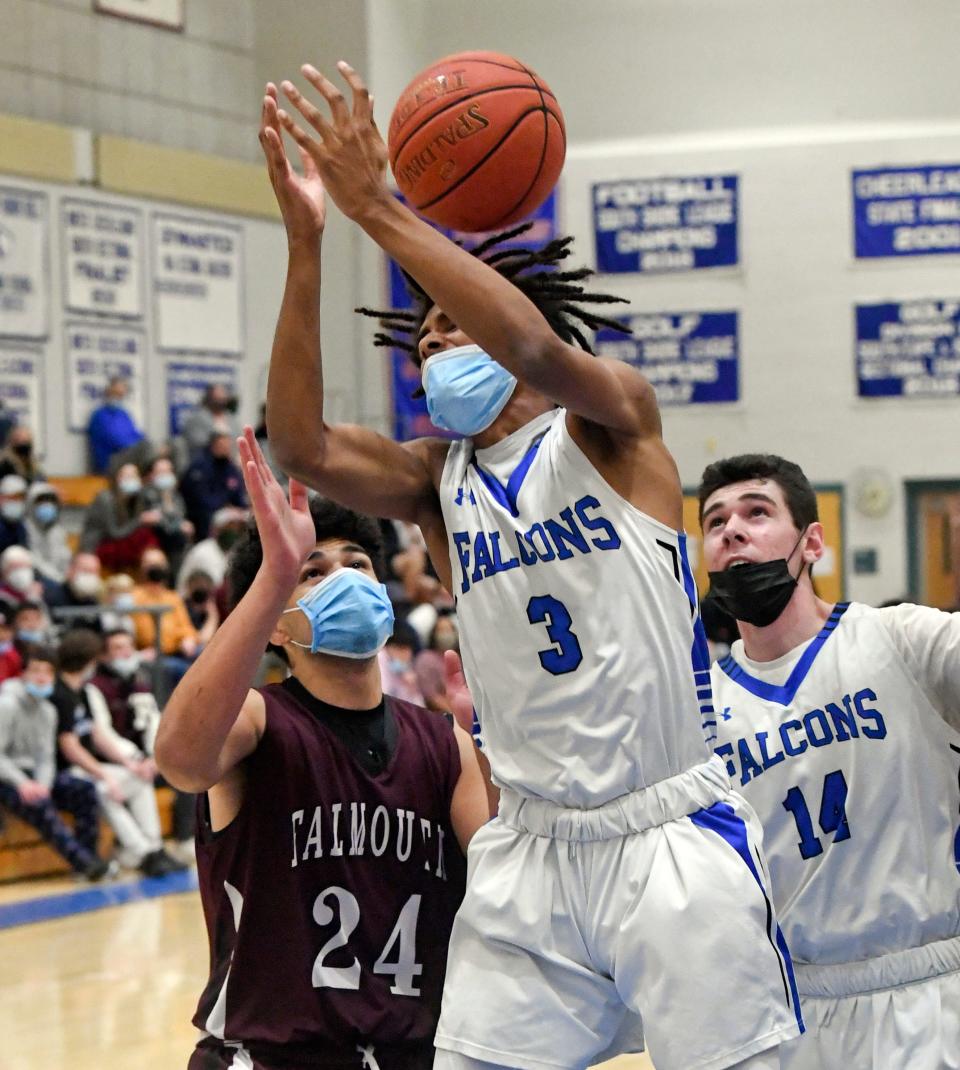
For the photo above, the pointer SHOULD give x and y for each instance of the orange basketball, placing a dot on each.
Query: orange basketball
(476, 141)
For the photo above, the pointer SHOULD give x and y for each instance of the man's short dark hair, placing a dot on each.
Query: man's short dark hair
(797, 491)
(113, 633)
(330, 521)
(25, 606)
(40, 652)
(78, 648)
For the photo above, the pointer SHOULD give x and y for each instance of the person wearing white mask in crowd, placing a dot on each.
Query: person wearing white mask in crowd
(210, 554)
(46, 536)
(119, 524)
(82, 588)
(18, 581)
(174, 532)
(13, 506)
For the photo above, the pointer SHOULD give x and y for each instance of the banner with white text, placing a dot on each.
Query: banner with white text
(102, 258)
(21, 388)
(691, 358)
(23, 262)
(187, 380)
(95, 354)
(906, 211)
(676, 223)
(197, 285)
(908, 349)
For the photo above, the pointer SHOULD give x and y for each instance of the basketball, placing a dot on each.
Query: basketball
(476, 141)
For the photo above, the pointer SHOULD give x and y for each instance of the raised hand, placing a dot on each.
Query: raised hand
(349, 153)
(300, 196)
(287, 532)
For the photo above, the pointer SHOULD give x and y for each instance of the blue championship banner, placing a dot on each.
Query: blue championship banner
(908, 349)
(906, 211)
(650, 225)
(691, 358)
(410, 416)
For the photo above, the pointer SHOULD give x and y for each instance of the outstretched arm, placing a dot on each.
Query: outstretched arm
(350, 155)
(213, 720)
(351, 464)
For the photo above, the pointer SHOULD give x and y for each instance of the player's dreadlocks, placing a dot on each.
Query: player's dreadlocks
(557, 294)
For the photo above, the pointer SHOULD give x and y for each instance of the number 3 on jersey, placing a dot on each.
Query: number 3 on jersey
(544, 609)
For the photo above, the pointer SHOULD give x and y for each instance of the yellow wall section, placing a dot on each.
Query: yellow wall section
(143, 170)
(37, 150)
(830, 504)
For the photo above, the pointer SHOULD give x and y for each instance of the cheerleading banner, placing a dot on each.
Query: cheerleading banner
(906, 211)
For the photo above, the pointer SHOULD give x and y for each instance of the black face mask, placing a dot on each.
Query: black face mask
(200, 596)
(157, 574)
(756, 593)
(23, 450)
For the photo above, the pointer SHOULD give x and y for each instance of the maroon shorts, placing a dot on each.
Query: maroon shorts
(212, 1054)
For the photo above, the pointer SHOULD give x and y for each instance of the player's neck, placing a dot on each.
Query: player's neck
(524, 406)
(803, 617)
(351, 684)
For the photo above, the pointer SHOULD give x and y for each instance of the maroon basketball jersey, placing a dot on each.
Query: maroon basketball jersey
(330, 897)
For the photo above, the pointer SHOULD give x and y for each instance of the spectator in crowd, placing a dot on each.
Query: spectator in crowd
(30, 785)
(428, 663)
(118, 601)
(89, 748)
(210, 554)
(179, 642)
(216, 414)
(200, 598)
(31, 627)
(18, 581)
(135, 715)
(17, 457)
(126, 688)
(211, 482)
(46, 536)
(82, 589)
(111, 431)
(397, 674)
(11, 664)
(174, 532)
(119, 524)
(13, 506)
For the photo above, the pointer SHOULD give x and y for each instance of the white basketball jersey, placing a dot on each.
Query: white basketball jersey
(577, 614)
(844, 747)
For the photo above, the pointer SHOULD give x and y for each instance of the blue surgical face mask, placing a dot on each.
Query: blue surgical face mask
(38, 690)
(46, 512)
(30, 635)
(466, 389)
(350, 615)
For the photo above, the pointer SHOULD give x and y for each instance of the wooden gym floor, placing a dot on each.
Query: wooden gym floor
(110, 989)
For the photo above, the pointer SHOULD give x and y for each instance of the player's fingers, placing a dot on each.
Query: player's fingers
(453, 669)
(306, 143)
(298, 496)
(266, 474)
(362, 101)
(309, 111)
(330, 93)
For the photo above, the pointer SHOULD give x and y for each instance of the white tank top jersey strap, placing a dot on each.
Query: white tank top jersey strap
(582, 643)
(848, 750)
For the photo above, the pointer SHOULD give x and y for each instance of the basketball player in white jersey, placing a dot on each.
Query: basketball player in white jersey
(841, 725)
(621, 875)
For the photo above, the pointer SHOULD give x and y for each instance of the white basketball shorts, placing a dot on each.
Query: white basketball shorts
(652, 905)
(897, 1012)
